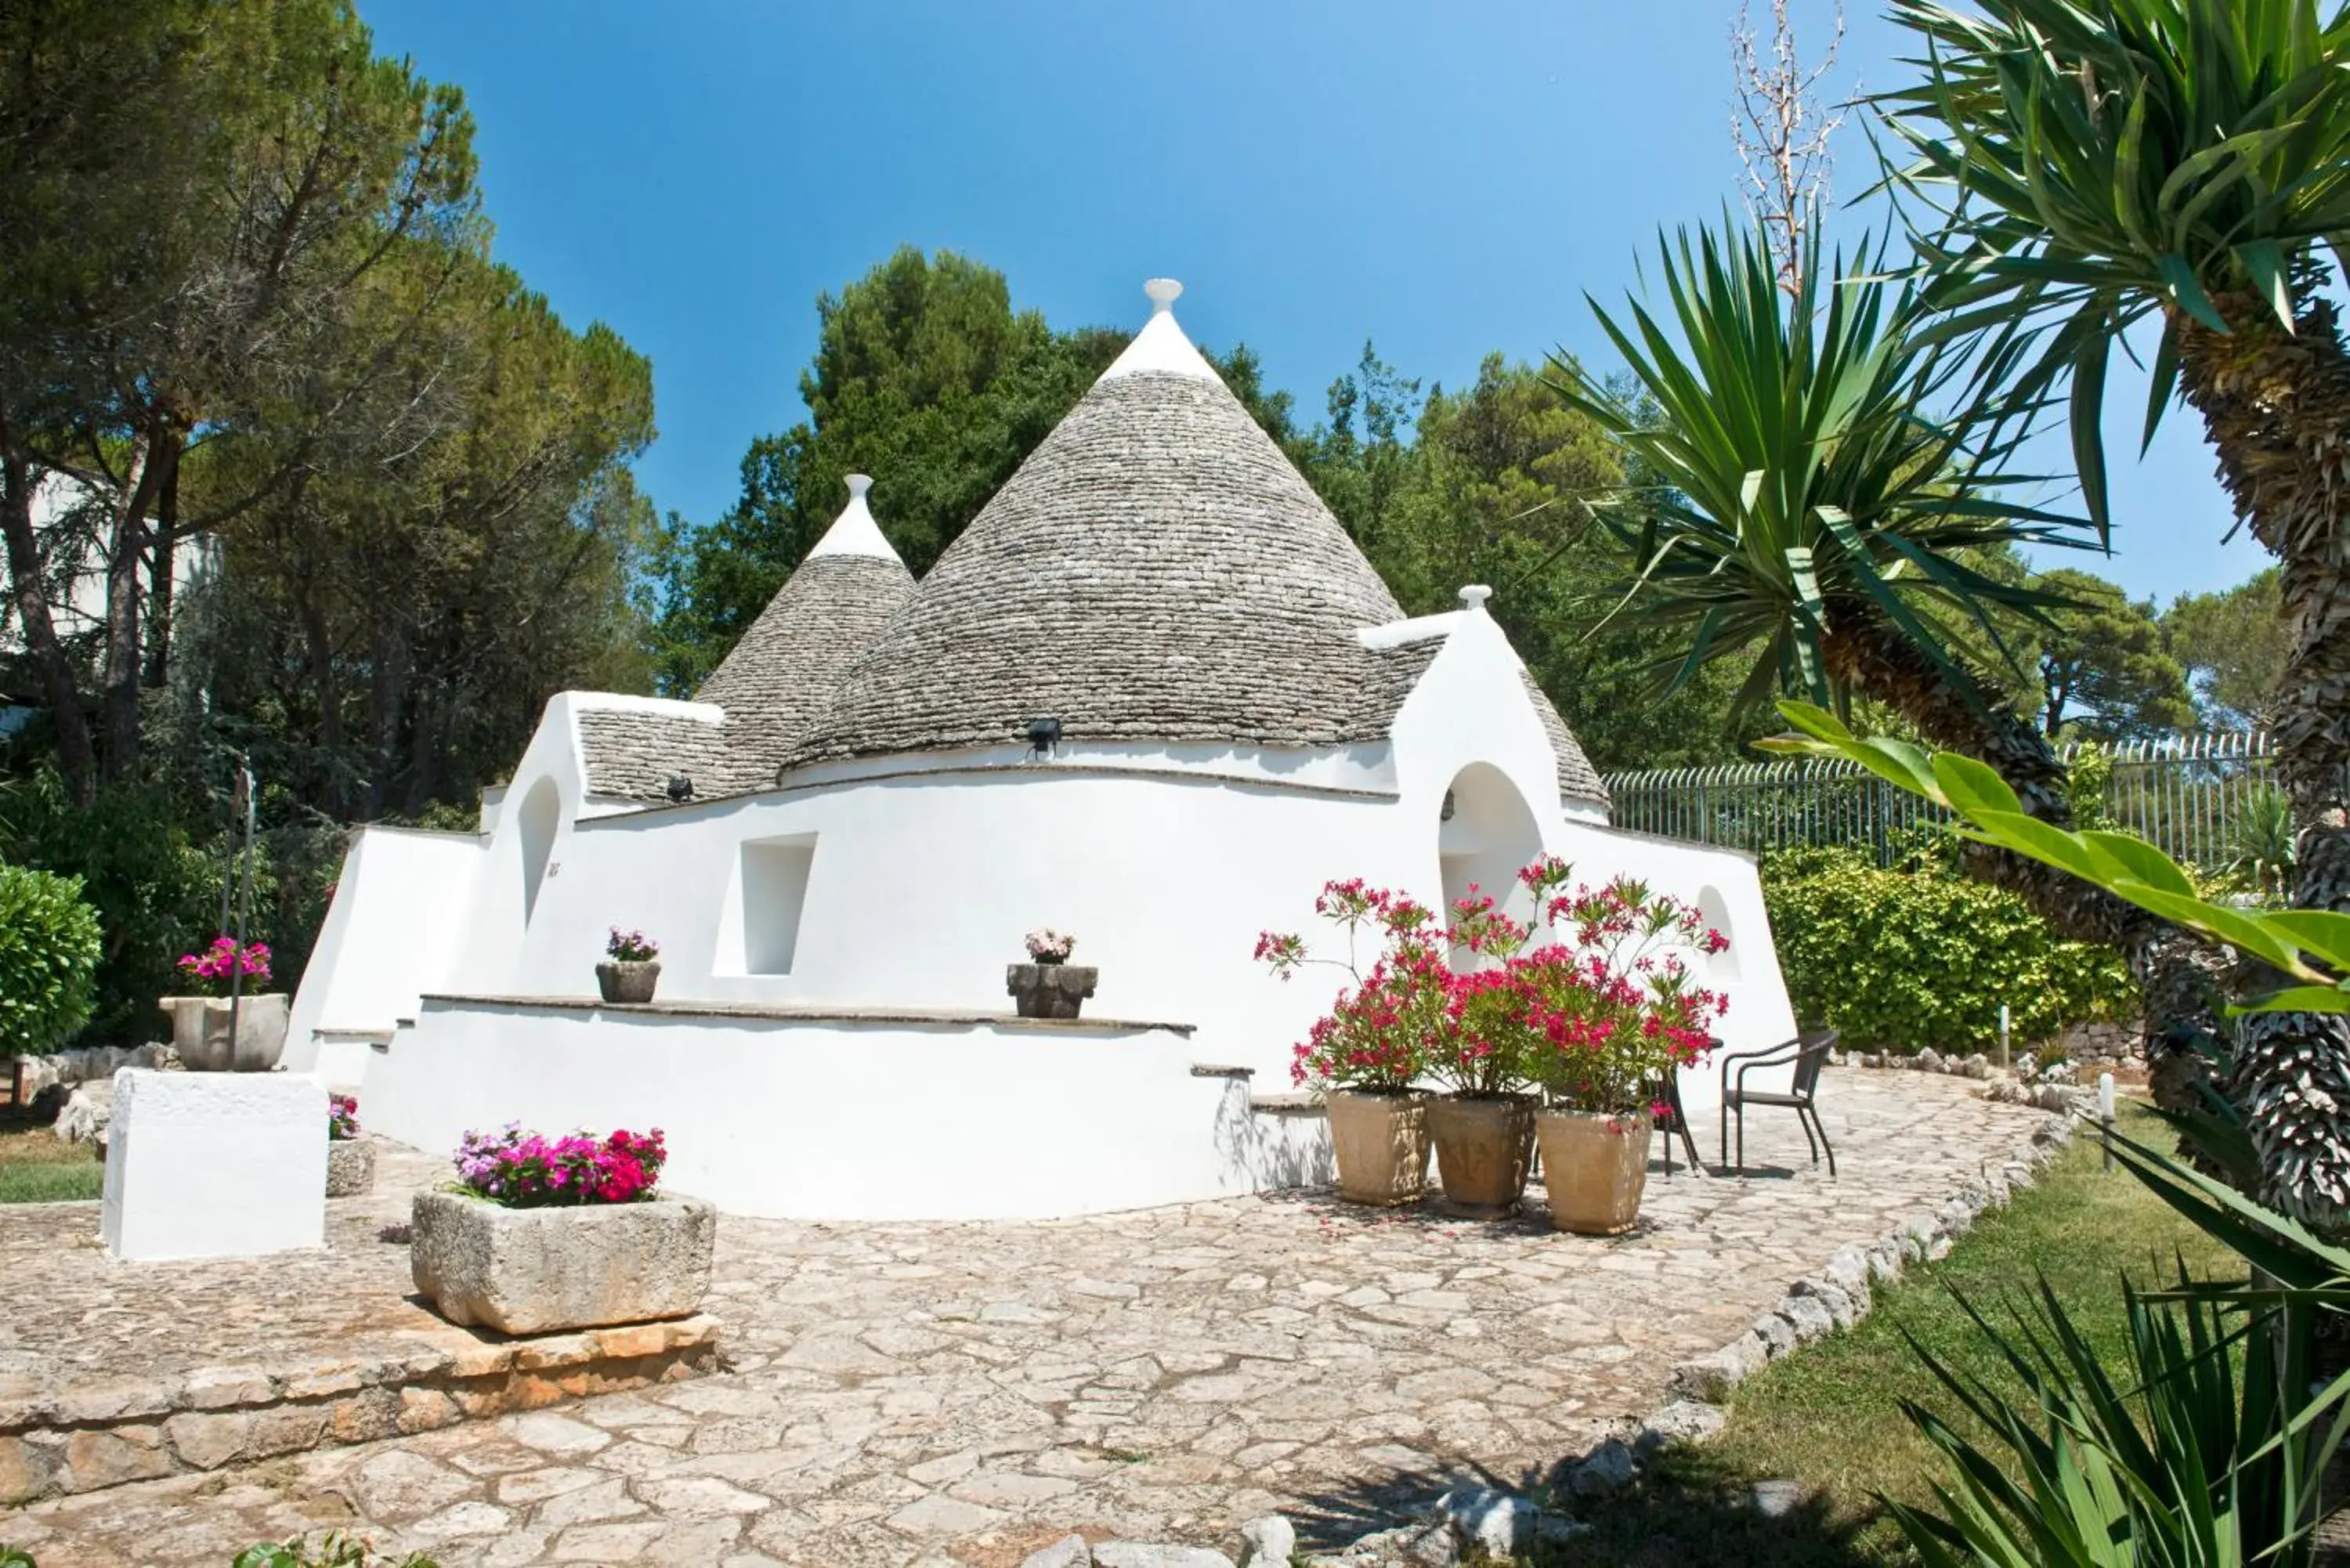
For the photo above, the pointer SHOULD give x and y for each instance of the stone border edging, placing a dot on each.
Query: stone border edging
(85, 1440)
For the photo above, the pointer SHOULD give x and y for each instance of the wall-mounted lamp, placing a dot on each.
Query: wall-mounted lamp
(680, 788)
(1044, 738)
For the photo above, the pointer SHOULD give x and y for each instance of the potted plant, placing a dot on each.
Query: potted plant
(351, 1159)
(1048, 985)
(541, 1234)
(1612, 1012)
(1367, 1054)
(202, 1028)
(632, 969)
(1482, 1125)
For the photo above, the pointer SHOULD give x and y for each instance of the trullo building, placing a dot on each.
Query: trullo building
(1153, 695)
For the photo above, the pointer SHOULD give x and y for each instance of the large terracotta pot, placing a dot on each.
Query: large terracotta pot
(627, 982)
(199, 1031)
(1595, 1167)
(1049, 989)
(1380, 1145)
(1484, 1150)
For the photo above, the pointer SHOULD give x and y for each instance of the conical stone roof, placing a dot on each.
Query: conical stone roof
(1156, 571)
(787, 668)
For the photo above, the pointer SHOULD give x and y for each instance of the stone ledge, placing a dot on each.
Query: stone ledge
(1288, 1104)
(85, 1440)
(915, 1016)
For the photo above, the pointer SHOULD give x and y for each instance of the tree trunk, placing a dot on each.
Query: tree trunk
(2178, 976)
(2276, 406)
(77, 761)
(126, 559)
(160, 568)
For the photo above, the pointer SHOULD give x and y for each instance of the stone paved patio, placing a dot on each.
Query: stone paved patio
(965, 1393)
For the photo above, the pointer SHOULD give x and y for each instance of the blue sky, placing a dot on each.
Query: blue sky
(1446, 180)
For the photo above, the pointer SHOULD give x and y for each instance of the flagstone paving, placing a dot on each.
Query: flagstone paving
(965, 1393)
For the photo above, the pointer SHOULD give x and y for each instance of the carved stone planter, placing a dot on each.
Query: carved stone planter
(351, 1166)
(1379, 1142)
(540, 1270)
(628, 981)
(199, 1031)
(1049, 989)
(1484, 1150)
(1595, 1167)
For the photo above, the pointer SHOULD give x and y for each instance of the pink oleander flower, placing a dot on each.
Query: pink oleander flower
(208, 973)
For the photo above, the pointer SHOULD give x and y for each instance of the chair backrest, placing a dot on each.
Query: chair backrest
(1812, 1056)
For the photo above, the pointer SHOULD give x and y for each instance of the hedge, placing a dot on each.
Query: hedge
(49, 959)
(1903, 960)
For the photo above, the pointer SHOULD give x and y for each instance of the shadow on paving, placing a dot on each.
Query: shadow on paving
(1689, 1511)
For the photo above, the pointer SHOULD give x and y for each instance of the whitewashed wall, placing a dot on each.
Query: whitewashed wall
(852, 1121)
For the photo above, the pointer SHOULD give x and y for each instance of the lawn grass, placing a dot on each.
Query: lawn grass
(1829, 1417)
(37, 1166)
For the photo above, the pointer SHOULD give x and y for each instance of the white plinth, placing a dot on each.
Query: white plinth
(214, 1165)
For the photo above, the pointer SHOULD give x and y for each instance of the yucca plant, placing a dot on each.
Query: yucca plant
(1819, 490)
(2195, 1453)
(2095, 163)
(1820, 481)
(2260, 842)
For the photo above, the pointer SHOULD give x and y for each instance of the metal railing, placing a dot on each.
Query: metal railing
(2183, 793)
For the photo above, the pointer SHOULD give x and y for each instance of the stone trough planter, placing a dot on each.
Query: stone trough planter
(199, 1031)
(541, 1270)
(1049, 989)
(351, 1166)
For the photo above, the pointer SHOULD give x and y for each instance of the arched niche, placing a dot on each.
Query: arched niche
(1715, 911)
(536, 824)
(1486, 836)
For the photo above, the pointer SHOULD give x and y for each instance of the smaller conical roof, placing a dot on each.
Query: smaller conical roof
(780, 676)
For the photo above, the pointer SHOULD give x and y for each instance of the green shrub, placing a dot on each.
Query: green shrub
(49, 946)
(1910, 959)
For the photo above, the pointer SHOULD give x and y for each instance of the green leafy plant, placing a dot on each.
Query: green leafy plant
(10, 1557)
(1907, 960)
(334, 1550)
(49, 947)
(2310, 948)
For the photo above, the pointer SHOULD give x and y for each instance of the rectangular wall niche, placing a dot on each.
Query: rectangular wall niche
(775, 890)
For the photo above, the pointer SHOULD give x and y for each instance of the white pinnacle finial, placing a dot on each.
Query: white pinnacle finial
(1474, 596)
(854, 532)
(1160, 346)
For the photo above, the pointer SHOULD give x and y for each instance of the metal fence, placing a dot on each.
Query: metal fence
(2184, 794)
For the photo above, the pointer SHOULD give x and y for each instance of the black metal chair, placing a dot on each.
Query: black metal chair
(1667, 1091)
(1809, 1053)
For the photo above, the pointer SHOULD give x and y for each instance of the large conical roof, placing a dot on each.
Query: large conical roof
(1155, 571)
(779, 677)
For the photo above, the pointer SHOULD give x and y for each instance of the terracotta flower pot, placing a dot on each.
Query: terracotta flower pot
(1595, 1167)
(627, 982)
(1380, 1145)
(199, 1031)
(1049, 989)
(1484, 1150)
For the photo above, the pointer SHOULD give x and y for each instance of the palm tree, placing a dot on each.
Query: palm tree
(1805, 514)
(2103, 162)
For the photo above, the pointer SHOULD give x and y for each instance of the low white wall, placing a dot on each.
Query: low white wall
(393, 932)
(795, 1119)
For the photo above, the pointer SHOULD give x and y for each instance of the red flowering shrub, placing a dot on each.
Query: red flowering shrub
(1593, 1005)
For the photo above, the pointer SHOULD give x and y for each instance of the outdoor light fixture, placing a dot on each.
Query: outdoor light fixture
(1044, 737)
(680, 788)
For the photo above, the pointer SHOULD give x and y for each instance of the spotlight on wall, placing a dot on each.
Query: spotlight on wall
(1044, 737)
(680, 788)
